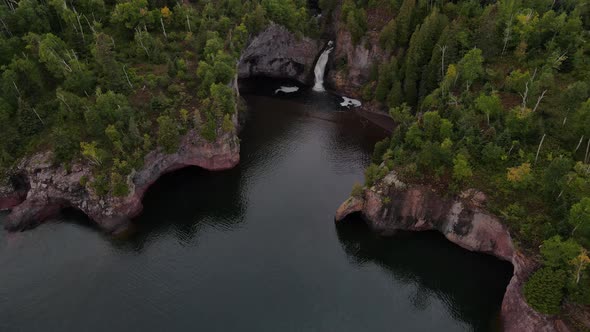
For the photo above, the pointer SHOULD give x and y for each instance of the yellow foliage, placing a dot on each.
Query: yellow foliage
(165, 12)
(523, 19)
(452, 71)
(520, 51)
(447, 144)
(519, 173)
(450, 78)
(184, 115)
(523, 113)
(580, 263)
(583, 258)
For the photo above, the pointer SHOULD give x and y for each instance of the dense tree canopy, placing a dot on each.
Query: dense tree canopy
(494, 95)
(109, 81)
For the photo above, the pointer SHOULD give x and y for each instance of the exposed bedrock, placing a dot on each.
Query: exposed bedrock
(53, 187)
(13, 191)
(10, 197)
(276, 52)
(392, 205)
(358, 59)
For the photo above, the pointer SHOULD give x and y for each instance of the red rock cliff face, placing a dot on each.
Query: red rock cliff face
(10, 197)
(462, 221)
(53, 187)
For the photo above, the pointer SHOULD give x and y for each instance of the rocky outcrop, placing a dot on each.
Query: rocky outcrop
(53, 188)
(392, 205)
(276, 52)
(359, 58)
(11, 196)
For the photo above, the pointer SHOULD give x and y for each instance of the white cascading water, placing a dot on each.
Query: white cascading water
(320, 68)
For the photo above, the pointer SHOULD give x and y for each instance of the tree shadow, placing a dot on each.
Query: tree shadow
(184, 202)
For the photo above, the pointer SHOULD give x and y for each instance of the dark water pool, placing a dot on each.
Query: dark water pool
(251, 249)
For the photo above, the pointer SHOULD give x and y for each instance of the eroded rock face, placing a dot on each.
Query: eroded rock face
(358, 58)
(462, 221)
(276, 52)
(10, 196)
(55, 187)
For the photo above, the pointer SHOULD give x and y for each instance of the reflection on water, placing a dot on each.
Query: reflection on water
(428, 263)
(252, 248)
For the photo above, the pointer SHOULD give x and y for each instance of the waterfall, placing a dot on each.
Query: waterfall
(320, 68)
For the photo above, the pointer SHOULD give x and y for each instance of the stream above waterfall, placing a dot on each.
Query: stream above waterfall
(254, 248)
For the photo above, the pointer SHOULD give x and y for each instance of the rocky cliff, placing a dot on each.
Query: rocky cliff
(351, 64)
(53, 187)
(10, 196)
(392, 205)
(276, 52)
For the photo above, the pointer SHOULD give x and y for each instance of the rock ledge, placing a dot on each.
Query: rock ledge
(392, 205)
(53, 187)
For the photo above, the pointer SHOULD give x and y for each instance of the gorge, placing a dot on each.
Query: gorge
(178, 165)
(255, 241)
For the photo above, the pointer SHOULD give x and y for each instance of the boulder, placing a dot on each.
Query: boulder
(277, 52)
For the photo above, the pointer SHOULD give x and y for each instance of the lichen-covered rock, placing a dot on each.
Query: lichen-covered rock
(277, 52)
(392, 205)
(53, 187)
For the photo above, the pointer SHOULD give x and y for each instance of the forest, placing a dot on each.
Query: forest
(110, 81)
(494, 96)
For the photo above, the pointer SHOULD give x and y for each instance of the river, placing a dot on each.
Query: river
(254, 248)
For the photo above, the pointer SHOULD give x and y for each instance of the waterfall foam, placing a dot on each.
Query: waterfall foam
(320, 68)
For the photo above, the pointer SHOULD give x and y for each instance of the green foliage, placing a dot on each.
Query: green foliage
(490, 105)
(470, 67)
(402, 114)
(104, 81)
(461, 168)
(499, 100)
(579, 219)
(405, 21)
(421, 46)
(228, 124)
(380, 149)
(168, 135)
(357, 190)
(374, 173)
(120, 188)
(355, 19)
(290, 13)
(557, 253)
(544, 290)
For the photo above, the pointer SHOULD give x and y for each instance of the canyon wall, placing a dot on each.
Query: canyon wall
(392, 205)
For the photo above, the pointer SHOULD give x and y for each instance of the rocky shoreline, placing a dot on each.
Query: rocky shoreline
(276, 52)
(11, 197)
(393, 205)
(53, 187)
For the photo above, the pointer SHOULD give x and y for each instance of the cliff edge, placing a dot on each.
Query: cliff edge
(55, 187)
(393, 205)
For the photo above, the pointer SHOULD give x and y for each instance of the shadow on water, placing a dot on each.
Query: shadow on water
(471, 284)
(183, 202)
(251, 248)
